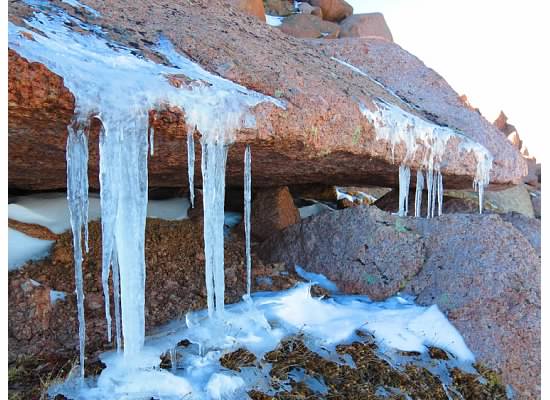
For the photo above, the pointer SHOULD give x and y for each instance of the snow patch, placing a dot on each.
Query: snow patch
(274, 20)
(23, 248)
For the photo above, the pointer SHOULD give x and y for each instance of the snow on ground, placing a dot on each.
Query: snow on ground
(51, 211)
(259, 324)
(22, 248)
(273, 20)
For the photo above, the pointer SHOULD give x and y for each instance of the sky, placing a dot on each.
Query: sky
(490, 50)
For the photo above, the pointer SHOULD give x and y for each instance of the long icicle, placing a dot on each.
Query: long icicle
(429, 186)
(439, 193)
(247, 199)
(214, 157)
(77, 196)
(418, 193)
(191, 165)
(108, 166)
(404, 183)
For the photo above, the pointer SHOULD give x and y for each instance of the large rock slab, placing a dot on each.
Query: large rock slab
(364, 250)
(322, 136)
(483, 271)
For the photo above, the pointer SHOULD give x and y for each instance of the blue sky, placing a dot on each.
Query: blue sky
(490, 50)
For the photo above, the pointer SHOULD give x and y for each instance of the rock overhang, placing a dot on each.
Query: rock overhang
(322, 136)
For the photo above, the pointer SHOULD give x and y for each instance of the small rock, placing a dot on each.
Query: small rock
(366, 25)
(333, 10)
(306, 26)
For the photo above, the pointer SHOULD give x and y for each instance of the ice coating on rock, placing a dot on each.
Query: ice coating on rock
(247, 208)
(191, 166)
(113, 84)
(77, 196)
(418, 193)
(404, 183)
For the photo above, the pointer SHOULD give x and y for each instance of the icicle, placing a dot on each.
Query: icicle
(429, 185)
(404, 183)
(191, 166)
(77, 196)
(152, 140)
(439, 193)
(247, 199)
(123, 173)
(214, 156)
(418, 193)
(116, 291)
(109, 164)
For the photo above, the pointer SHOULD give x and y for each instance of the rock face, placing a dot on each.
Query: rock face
(363, 250)
(321, 137)
(333, 10)
(309, 26)
(485, 275)
(366, 25)
(272, 210)
(481, 270)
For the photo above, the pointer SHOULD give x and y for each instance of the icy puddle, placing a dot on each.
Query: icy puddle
(198, 357)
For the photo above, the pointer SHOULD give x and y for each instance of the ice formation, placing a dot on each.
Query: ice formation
(396, 125)
(77, 196)
(404, 182)
(418, 193)
(191, 166)
(258, 324)
(111, 83)
(247, 204)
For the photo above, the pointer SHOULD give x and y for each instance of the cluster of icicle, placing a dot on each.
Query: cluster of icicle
(398, 126)
(395, 125)
(113, 85)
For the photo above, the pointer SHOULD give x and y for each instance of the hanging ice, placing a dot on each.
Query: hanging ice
(439, 193)
(247, 200)
(404, 183)
(396, 125)
(418, 194)
(191, 165)
(112, 84)
(77, 196)
(152, 141)
(214, 156)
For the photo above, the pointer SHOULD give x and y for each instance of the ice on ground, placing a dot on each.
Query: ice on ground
(258, 324)
(273, 20)
(23, 248)
(319, 279)
(56, 296)
(170, 209)
(221, 385)
(51, 210)
(313, 209)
